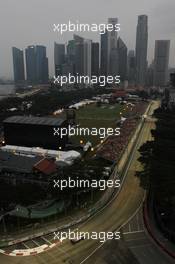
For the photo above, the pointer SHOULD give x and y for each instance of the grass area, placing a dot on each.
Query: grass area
(105, 111)
(93, 116)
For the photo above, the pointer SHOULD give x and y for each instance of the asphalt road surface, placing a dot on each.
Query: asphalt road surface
(141, 245)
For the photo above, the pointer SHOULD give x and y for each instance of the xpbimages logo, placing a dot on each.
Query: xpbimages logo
(88, 80)
(80, 183)
(76, 236)
(82, 131)
(85, 27)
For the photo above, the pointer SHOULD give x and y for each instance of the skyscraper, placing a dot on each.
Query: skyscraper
(18, 65)
(70, 58)
(30, 54)
(161, 62)
(36, 64)
(104, 54)
(95, 59)
(141, 49)
(131, 66)
(68, 67)
(122, 59)
(59, 57)
(83, 49)
(41, 64)
(150, 75)
(79, 55)
(71, 51)
(112, 48)
(87, 57)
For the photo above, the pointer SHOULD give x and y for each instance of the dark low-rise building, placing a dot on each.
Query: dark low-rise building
(34, 132)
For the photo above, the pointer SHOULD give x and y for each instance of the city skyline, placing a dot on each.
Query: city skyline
(112, 56)
(40, 32)
(82, 56)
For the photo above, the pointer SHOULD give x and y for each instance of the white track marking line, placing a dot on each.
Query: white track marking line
(47, 241)
(36, 243)
(134, 232)
(25, 245)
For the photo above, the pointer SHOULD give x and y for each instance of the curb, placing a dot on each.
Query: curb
(148, 227)
(29, 252)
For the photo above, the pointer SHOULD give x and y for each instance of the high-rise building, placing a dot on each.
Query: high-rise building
(41, 64)
(83, 50)
(46, 70)
(112, 64)
(104, 54)
(161, 62)
(67, 61)
(36, 64)
(59, 57)
(18, 65)
(87, 57)
(150, 75)
(141, 49)
(30, 54)
(131, 66)
(79, 55)
(95, 59)
(122, 59)
(70, 57)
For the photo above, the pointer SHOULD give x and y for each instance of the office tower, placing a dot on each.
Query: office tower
(83, 53)
(30, 55)
(122, 59)
(141, 49)
(95, 59)
(104, 54)
(79, 55)
(36, 64)
(70, 57)
(67, 69)
(71, 51)
(161, 62)
(41, 64)
(18, 65)
(150, 75)
(46, 70)
(87, 58)
(79, 58)
(131, 66)
(59, 58)
(112, 48)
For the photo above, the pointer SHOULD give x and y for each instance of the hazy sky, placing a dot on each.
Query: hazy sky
(27, 22)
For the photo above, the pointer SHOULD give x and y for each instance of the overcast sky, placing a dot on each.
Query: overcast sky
(27, 22)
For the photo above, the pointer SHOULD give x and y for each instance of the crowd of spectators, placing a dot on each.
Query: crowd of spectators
(114, 146)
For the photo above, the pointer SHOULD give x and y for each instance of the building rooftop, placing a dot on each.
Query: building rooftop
(50, 121)
(16, 163)
(46, 166)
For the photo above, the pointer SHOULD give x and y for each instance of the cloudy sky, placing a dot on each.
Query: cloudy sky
(27, 22)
